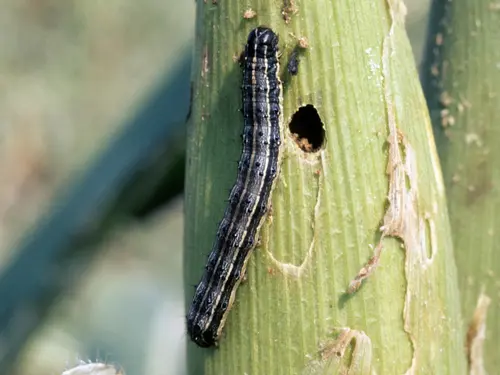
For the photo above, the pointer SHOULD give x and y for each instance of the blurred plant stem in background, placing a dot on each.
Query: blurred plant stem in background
(62, 245)
(378, 165)
(461, 78)
(81, 154)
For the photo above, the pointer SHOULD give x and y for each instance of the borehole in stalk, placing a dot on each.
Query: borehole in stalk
(307, 129)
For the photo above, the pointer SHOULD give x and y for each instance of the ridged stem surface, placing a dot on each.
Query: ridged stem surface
(375, 185)
(461, 77)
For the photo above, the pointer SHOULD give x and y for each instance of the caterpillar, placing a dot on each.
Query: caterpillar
(249, 198)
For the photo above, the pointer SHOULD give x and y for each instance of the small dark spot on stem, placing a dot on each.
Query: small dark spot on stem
(293, 62)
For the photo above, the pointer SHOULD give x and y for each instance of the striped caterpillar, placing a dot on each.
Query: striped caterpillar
(249, 198)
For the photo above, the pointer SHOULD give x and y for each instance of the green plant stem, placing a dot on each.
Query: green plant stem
(377, 167)
(462, 77)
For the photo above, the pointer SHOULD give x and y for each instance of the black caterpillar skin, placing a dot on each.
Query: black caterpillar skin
(249, 198)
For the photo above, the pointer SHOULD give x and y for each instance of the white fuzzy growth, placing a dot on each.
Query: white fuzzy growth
(93, 369)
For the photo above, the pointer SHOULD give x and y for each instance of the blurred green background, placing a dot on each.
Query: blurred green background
(77, 76)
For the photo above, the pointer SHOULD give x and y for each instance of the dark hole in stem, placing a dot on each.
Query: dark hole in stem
(307, 129)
